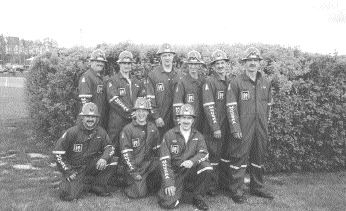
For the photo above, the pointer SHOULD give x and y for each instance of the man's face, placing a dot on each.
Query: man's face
(89, 122)
(97, 66)
(167, 59)
(186, 122)
(125, 67)
(141, 116)
(193, 68)
(220, 66)
(252, 65)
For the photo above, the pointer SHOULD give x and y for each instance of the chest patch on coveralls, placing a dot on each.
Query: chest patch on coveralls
(160, 87)
(77, 147)
(99, 89)
(175, 149)
(190, 98)
(220, 95)
(245, 95)
(135, 142)
(122, 91)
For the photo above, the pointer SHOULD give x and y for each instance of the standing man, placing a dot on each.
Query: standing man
(84, 155)
(161, 86)
(122, 91)
(139, 142)
(90, 86)
(189, 89)
(216, 125)
(184, 163)
(248, 101)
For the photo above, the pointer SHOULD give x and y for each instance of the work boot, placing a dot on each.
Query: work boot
(262, 193)
(238, 197)
(200, 204)
(100, 192)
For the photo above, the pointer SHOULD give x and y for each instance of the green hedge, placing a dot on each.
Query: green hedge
(307, 131)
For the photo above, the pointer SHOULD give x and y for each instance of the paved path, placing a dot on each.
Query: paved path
(15, 82)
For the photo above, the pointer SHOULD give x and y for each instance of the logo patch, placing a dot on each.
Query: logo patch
(122, 91)
(99, 89)
(77, 147)
(160, 87)
(175, 149)
(190, 98)
(135, 142)
(220, 95)
(245, 95)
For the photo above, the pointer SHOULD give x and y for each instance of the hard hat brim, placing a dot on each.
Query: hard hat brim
(193, 115)
(122, 61)
(100, 60)
(245, 59)
(212, 62)
(97, 115)
(159, 53)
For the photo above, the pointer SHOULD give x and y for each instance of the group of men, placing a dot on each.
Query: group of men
(191, 134)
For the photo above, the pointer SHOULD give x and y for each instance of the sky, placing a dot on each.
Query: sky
(317, 26)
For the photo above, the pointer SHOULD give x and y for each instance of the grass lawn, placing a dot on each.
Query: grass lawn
(36, 189)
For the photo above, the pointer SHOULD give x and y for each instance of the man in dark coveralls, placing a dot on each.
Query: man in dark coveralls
(249, 101)
(84, 155)
(91, 85)
(216, 124)
(189, 89)
(139, 142)
(160, 89)
(185, 168)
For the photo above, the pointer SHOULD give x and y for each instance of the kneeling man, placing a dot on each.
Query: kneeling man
(139, 142)
(185, 167)
(84, 155)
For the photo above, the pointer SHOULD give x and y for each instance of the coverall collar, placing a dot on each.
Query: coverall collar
(135, 123)
(218, 77)
(95, 74)
(177, 130)
(163, 71)
(246, 77)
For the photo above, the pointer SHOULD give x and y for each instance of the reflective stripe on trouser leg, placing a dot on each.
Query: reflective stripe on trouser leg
(257, 153)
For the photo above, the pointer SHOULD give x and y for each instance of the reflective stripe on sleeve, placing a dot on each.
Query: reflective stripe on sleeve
(113, 98)
(164, 157)
(126, 150)
(208, 104)
(231, 104)
(234, 167)
(224, 160)
(178, 104)
(204, 169)
(255, 165)
(87, 96)
(59, 152)
(214, 164)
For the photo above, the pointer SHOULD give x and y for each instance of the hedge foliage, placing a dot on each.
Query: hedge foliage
(307, 131)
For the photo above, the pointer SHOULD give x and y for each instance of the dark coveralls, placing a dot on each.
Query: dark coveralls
(121, 96)
(78, 150)
(214, 103)
(139, 145)
(160, 91)
(173, 152)
(189, 90)
(91, 89)
(248, 106)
